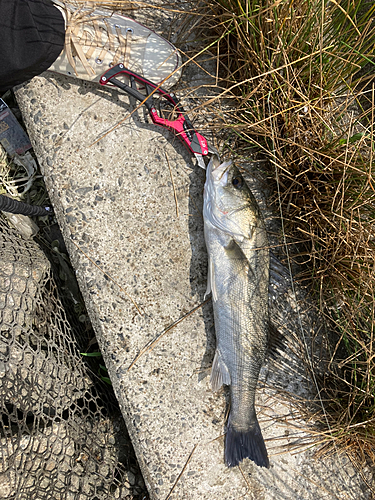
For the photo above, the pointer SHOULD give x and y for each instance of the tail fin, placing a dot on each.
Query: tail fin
(248, 444)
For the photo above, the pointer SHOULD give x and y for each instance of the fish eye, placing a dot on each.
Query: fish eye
(237, 182)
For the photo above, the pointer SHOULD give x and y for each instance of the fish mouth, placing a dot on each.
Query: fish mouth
(220, 172)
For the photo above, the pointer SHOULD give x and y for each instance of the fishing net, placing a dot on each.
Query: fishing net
(62, 435)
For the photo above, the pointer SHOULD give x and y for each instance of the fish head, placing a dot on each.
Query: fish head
(229, 204)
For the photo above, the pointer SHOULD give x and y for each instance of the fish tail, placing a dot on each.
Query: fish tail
(245, 444)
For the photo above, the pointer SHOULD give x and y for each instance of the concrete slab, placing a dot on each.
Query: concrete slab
(131, 241)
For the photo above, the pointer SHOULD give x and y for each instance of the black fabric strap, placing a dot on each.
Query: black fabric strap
(32, 34)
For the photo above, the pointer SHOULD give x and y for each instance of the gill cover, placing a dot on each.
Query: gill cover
(222, 203)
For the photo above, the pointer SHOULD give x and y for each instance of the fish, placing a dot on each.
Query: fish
(238, 280)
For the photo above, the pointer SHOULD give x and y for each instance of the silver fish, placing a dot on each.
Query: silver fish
(238, 277)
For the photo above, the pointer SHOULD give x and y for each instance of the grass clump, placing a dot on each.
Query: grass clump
(298, 73)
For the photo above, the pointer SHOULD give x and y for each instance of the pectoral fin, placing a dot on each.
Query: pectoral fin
(219, 373)
(235, 252)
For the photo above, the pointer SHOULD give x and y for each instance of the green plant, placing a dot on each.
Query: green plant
(102, 370)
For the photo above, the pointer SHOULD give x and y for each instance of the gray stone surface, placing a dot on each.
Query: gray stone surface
(115, 203)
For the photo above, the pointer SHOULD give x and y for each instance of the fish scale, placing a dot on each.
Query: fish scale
(238, 277)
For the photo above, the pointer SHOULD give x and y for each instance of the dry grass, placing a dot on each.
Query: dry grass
(294, 70)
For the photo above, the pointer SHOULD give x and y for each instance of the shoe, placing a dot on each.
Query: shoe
(96, 39)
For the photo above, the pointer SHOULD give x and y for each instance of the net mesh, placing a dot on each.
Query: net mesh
(62, 435)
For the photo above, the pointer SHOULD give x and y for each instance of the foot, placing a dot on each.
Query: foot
(96, 39)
